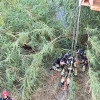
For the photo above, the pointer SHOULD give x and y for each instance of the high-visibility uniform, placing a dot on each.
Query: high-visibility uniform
(56, 66)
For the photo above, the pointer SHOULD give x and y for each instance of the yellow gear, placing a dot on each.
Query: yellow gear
(75, 69)
(58, 68)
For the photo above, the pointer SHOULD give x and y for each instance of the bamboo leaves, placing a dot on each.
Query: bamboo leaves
(1, 20)
(28, 22)
(95, 44)
(94, 84)
(93, 53)
(23, 38)
(32, 72)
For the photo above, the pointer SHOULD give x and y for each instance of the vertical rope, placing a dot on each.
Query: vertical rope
(73, 41)
(75, 26)
(77, 30)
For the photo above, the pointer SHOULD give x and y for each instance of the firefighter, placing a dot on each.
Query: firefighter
(66, 62)
(56, 66)
(83, 58)
(5, 96)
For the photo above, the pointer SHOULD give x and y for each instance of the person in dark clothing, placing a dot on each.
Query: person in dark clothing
(67, 61)
(56, 66)
(5, 96)
(84, 62)
(83, 58)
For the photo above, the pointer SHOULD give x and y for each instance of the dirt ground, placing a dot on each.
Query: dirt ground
(50, 91)
(54, 92)
(83, 89)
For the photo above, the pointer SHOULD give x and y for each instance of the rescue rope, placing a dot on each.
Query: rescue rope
(76, 29)
(74, 43)
(54, 74)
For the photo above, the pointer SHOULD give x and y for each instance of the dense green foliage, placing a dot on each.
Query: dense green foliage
(90, 23)
(35, 23)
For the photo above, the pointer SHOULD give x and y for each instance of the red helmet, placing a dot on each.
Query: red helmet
(5, 93)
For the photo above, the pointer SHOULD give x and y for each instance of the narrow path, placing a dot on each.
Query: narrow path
(50, 91)
(83, 88)
(54, 92)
